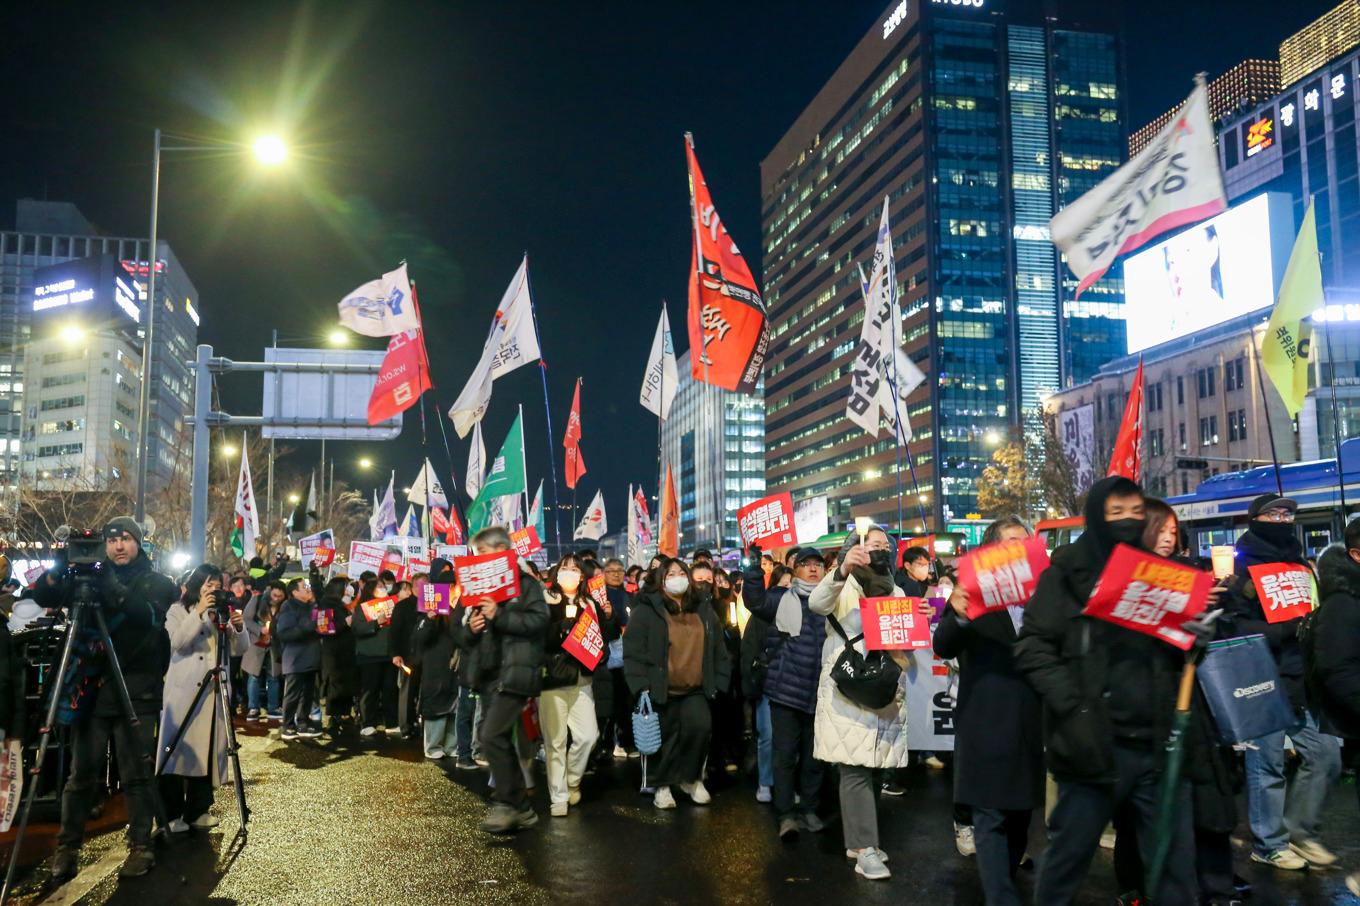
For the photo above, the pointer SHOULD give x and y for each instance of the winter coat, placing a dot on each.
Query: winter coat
(202, 752)
(508, 653)
(1335, 684)
(753, 647)
(602, 688)
(296, 629)
(794, 662)
(843, 732)
(560, 669)
(255, 659)
(371, 638)
(405, 617)
(338, 676)
(646, 650)
(998, 741)
(1243, 614)
(432, 646)
(136, 599)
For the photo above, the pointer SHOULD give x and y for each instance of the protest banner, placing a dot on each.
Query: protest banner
(894, 624)
(324, 624)
(379, 610)
(810, 521)
(1001, 575)
(930, 703)
(923, 541)
(1151, 595)
(11, 780)
(439, 599)
(585, 642)
(1285, 590)
(595, 588)
(365, 556)
(308, 546)
(451, 552)
(767, 522)
(494, 576)
(34, 574)
(416, 567)
(526, 541)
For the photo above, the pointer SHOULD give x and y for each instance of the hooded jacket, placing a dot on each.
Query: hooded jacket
(1334, 686)
(1243, 614)
(1099, 682)
(646, 649)
(508, 653)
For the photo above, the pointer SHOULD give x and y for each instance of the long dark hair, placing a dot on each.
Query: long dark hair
(657, 580)
(334, 592)
(574, 562)
(1157, 512)
(193, 585)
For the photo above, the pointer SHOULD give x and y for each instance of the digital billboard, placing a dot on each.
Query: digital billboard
(1214, 271)
(93, 292)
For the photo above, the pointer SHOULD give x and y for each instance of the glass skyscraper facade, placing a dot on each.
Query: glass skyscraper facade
(977, 124)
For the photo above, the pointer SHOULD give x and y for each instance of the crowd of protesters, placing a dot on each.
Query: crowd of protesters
(1057, 713)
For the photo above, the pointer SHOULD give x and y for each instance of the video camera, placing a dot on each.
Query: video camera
(77, 572)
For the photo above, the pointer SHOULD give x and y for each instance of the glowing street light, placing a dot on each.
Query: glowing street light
(338, 337)
(229, 450)
(294, 498)
(71, 333)
(270, 150)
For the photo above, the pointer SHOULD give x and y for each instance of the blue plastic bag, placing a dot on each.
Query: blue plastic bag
(1242, 684)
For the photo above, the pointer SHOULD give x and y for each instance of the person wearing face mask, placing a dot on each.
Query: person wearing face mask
(1284, 817)
(673, 651)
(377, 673)
(861, 741)
(1108, 695)
(612, 700)
(725, 744)
(914, 576)
(259, 663)
(334, 598)
(566, 707)
(792, 654)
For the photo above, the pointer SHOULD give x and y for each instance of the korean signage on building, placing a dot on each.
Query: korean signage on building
(1258, 135)
(96, 292)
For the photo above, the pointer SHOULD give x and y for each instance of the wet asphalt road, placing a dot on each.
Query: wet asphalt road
(351, 824)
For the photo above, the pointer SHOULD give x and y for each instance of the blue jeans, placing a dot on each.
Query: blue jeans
(764, 743)
(463, 722)
(264, 686)
(1279, 815)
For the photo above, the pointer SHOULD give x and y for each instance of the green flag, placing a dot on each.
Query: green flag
(505, 477)
(1286, 344)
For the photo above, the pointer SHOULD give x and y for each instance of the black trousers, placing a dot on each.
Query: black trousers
(1001, 838)
(89, 744)
(1084, 809)
(686, 727)
(500, 717)
(795, 770)
(299, 695)
(1214, 863)
(623, 710)
(185, 797)
(728, 742)
(378, 694)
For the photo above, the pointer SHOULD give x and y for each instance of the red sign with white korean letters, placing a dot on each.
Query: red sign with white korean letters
(894, 624)
(768, 522)
(1001, 575)
(1284, 589)
(494, 576)
(585, 642)
(1149, 594)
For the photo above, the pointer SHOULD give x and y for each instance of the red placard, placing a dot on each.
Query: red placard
(1001, 575)
(526, 541)
(494, 576)
(768, 522)
(439, 598)
(394, 563)
(323, 556)
(1284, 589)
(1145, 593)
(585, 642)
(925, 541)
(894, 624)
(595, 588)
(379, 610)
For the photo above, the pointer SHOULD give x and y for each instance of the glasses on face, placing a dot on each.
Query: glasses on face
(614, 571)
(1276, 516)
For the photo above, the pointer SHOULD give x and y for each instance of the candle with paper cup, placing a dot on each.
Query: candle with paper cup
(862, 526)
(1222, 556)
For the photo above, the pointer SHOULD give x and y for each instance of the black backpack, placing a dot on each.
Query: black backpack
(869, 680)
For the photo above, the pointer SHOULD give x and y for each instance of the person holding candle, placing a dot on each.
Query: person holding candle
(259, 663)
(377, 674)
(431, 654)
(333, 601)
(566, 709)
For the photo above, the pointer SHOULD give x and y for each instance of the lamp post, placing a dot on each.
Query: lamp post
(268, 150)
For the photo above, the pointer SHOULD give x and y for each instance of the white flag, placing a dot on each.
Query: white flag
(471, 404)
(476, 467)
(247, 520)
(661, 378)
(1172, 182)
(374, 527)
(386, 515)
(504, 511)
(593, 525)
(634, 542)
(426, 490)
(382, 307)
(410, 526)
(518, 345)
(536, 513)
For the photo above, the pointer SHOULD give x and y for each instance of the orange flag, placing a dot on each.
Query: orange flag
(668, 539)
(576, 465)
(1128, 446)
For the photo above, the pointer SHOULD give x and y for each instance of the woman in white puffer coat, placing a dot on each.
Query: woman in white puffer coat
(858, 740)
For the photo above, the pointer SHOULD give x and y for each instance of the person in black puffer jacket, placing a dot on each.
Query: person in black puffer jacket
(1334, 677)
(1284, 816)
(793, 652)
(334, 596)
(1108, 696)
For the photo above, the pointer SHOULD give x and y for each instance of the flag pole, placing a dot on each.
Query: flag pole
(703, 358)
(660, 407)
(1265, 407)
(1331, 383)
(456, 509)
(547, 409)
(523, 462)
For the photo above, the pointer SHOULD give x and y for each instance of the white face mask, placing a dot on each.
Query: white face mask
(348, 596)
(569, 580)
(677, 585)
(384, 590)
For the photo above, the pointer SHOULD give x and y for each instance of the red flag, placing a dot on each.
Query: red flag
(454, 533)
(1128, 446)
(726, 314)
(439, 522)
(576, 464)
(668, 537)
(404, 376)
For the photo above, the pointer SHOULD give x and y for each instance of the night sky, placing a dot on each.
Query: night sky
(458, 136)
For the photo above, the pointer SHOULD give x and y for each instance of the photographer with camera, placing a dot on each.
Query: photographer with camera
(202, 620)
(135, 599)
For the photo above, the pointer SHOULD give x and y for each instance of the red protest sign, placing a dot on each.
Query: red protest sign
(595, 587)
(526, 541)
(925, 541)
(1001, 575)
(379, 610)
(894, 624)
(1145, 593)
(323, 556)
(768, 522)
(438, 599)
(585, 642)
(494, 576)
(394, 562)
(1284, 589)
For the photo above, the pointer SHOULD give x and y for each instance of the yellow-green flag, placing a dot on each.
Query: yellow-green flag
(1286, 345)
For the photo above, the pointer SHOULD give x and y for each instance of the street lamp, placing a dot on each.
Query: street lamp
(365, 463)
(338, 338)
(294, 499)
(71, 333)
(229, 450)
(269, 151)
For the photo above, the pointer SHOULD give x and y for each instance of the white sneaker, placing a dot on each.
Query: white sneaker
(574, 796)
(204, 821)
(366, 732)
(854, 854)
(1314, 853)
(963, 839)
(620, 752)
(696, 791)
(178, 826)
(934, 763)
(869, 864)
(435, 754)
(558, 809)
(1286, 859)
(663, 798)
(763, 794)
(1107, 840)
(394, 731)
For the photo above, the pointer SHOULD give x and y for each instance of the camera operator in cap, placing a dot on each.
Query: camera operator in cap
(134, 600)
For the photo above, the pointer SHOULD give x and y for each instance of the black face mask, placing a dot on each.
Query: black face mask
(880, 561)
(1278, 534)
(1126, 531)
(702, 589)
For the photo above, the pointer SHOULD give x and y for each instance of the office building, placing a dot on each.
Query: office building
(1320, 42)
(51, 233)
(1245, 85)
(714, 443)
(977, 123)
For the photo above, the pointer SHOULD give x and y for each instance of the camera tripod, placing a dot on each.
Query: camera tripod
(84, 605)
(215, 681)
